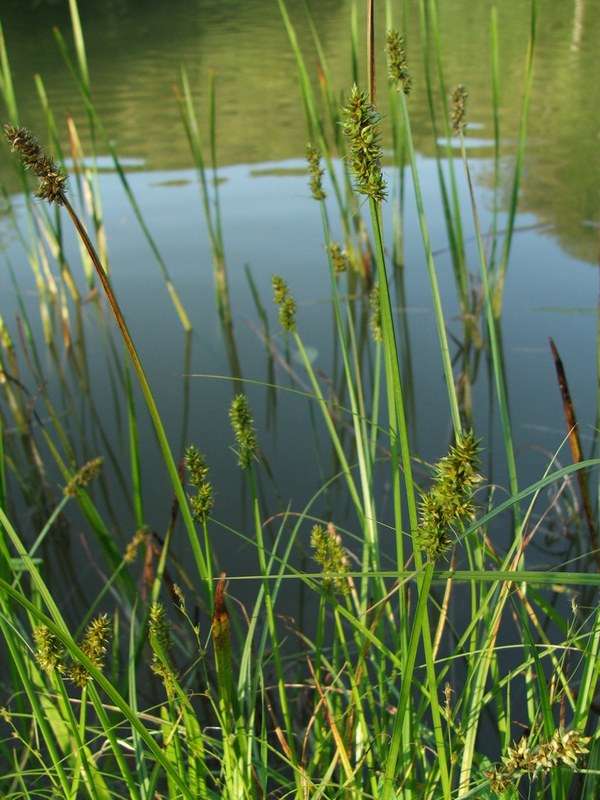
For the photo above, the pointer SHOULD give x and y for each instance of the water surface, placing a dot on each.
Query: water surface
(136, 52)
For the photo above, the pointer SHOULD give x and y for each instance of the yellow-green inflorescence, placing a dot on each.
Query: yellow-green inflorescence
(84, 476)
(242, 425)
(49, 650)
(398, 72)
(459, 108)
(448, 505)
(339, 258)
(161, 641)
(286, 303)
(202, 501)
(362, 129)
(329, 553)
(51, 654)
(315, 172)
(52, 185)
(93, 645)
(563, 749)
(375, 304)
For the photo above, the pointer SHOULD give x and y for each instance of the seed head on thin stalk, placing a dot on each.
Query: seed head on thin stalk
(330, 554)
(93, 645)
(49, 650)
(52, 185)
(398, 72)
(286, 303)
(459, 109)
(361, 127)
(161, 641)
(315, 172)
(562, 749)
(375, 304)
(242, 424)
(203, 501)
(84, 476)
(139, 538)
(339, 258)
(449, 502)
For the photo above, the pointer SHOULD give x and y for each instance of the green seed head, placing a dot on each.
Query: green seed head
(313, 156)
(329, 553)
(399, 75)
(287, 306)
(361, 127)
(202, 501)
(49, 651)
(242, 424)
(93, 645)
(448, 505)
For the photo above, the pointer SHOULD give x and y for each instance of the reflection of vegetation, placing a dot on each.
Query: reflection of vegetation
(245, 44)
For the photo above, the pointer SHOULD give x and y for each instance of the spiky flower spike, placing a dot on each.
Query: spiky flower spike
(287, 306)
(241, 422)
(563, 749)
(52, 179)
(339, 258)
(398, 72)
(459, 108)
(84, 476)
(329, 553)
(361, 127)
(448, 505)
(49, 650)
(161, 641)
(140, 537)
(315, 172)
(203, 501)
(93, 645)
(375, 303)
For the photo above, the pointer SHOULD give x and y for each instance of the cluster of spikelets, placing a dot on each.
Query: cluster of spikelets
(448, 505)
(398, 72)
(564, 748)
(202, 501)
(361, 127)
(52, 656)
(243, 429)
(161, 641)
(83, 477)
(286, 303)
(315, 172)
(52, 185)
(329, 553)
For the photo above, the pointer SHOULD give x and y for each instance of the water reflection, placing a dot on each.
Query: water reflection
(136, 50)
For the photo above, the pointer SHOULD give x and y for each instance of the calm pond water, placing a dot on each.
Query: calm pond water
(136, 51)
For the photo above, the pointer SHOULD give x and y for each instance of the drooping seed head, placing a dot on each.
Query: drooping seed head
(52, 179)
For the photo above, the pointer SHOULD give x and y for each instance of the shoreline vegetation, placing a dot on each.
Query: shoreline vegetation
(457, 667)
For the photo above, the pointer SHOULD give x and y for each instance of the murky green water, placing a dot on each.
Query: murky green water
(136, 51)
